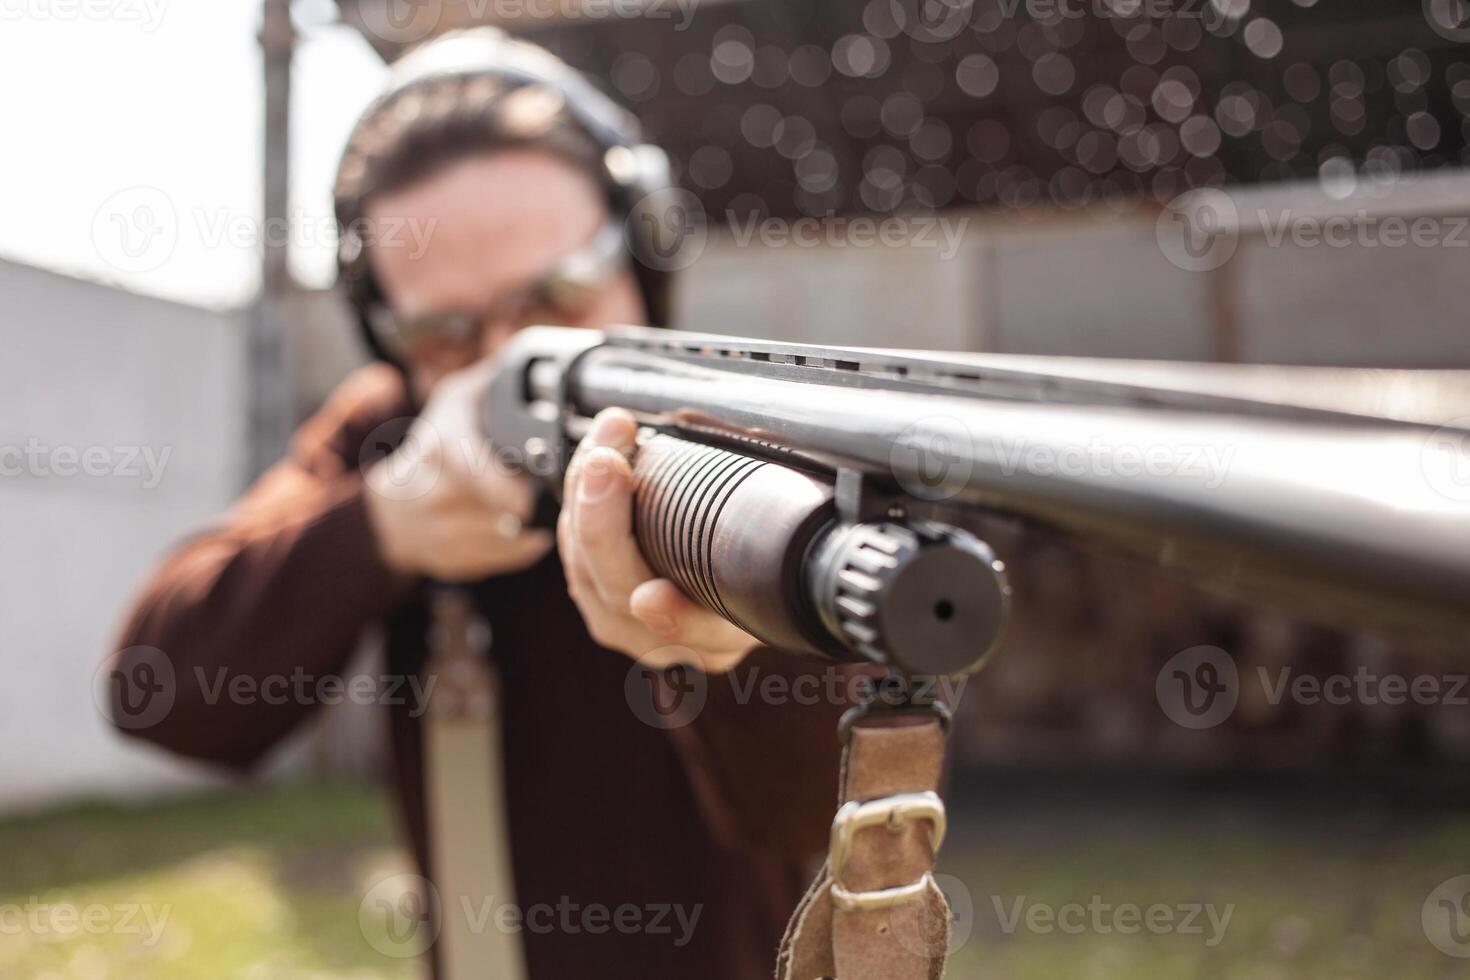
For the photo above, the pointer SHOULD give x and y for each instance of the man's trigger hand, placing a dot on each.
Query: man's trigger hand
(627, 607)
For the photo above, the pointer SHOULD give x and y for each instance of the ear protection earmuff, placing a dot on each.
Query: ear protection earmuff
(631, 169)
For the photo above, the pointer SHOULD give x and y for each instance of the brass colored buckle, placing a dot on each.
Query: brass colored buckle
(893, 812)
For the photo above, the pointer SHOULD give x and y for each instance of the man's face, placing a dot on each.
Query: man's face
(490, 226)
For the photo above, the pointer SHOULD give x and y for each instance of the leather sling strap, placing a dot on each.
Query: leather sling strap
(465, 798)
(875, 912)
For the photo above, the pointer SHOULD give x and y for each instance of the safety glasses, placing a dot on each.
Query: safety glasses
(559, 296)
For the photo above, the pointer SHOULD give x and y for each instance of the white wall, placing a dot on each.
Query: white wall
(82, 366)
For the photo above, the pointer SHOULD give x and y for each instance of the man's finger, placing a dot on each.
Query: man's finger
(613, 428)
(602, 524)
(666, 611)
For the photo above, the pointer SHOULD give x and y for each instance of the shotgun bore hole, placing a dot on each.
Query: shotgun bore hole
(943, 610)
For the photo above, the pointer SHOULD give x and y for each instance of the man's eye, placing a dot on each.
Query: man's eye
(570, 297)
(565, 310)
(542, 314)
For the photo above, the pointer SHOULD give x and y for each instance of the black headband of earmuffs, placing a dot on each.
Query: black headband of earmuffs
(631, 169)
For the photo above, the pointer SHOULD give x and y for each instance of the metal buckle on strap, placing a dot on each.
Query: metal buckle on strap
(893, 812)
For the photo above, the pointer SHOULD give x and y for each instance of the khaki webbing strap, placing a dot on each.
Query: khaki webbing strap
(874, 912)
(466, 800)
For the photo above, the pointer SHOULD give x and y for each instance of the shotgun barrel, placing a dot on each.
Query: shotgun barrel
(810, 494)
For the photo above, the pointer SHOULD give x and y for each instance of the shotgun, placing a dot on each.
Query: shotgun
(815, 496)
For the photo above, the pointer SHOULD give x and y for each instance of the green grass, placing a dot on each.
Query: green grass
(268, 885)
(237, 885)
(1333, 891)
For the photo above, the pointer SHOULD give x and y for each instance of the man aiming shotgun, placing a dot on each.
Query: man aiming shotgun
(525, 175)
(726, 499)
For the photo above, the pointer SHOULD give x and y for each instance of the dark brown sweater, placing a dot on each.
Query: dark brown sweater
(726, 814)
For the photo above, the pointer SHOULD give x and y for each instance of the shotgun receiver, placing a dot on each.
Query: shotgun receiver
(810, 494)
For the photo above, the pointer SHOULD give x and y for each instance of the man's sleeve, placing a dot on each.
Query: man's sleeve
(221, 653)
(763, 753)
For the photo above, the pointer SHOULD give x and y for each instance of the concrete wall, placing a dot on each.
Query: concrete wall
(87, 368)
(1102, 286)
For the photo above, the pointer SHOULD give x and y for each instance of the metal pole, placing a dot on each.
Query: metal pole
(269, 382)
